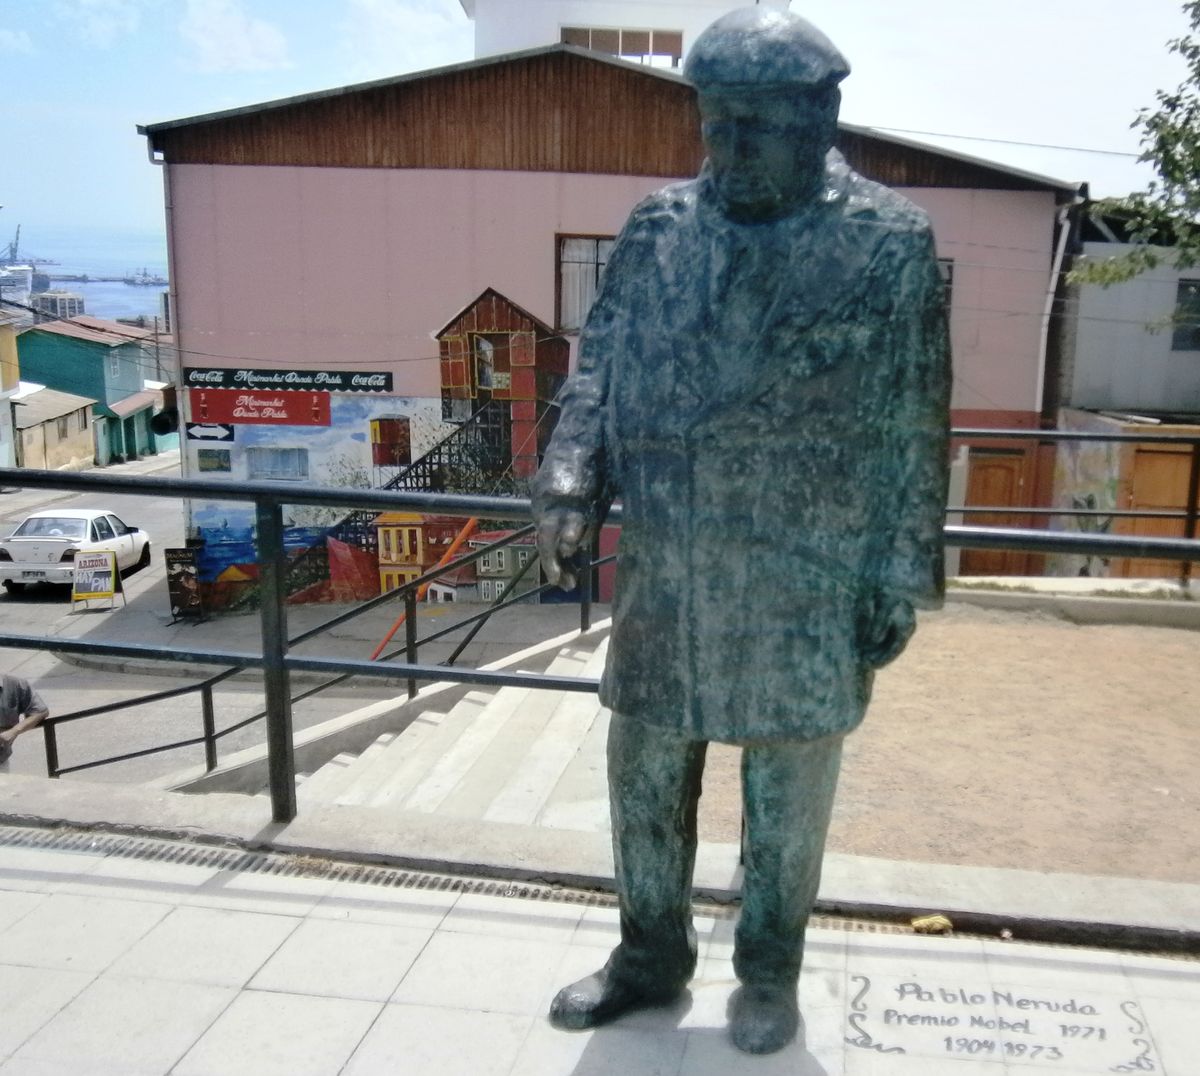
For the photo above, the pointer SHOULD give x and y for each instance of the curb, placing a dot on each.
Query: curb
(1079, 609)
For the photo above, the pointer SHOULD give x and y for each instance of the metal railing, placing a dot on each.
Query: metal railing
(277, 663)
(1189, 514)
(211, 736)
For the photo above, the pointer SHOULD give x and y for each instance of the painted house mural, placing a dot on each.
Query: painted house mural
(500, 370)
(293, 435)
(505, 571)
(409, 544)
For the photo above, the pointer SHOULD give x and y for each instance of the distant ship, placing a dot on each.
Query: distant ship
(145, 279)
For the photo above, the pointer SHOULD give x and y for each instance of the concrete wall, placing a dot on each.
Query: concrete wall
(10, 373)
(1001, 243)
(1122, 358)
(43, 449)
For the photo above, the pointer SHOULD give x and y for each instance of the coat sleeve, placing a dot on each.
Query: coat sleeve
(577, 472)
(918, 430)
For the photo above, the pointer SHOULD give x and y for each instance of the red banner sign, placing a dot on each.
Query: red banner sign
(260, 407)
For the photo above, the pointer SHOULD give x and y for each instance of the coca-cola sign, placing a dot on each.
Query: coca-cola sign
(287, 380)
(259, 408)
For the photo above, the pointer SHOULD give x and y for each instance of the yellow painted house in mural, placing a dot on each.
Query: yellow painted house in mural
(401, 545)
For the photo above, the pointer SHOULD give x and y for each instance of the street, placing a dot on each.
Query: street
(38, 608)
(142, 616)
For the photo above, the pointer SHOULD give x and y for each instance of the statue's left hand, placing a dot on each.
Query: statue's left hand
(885, 625)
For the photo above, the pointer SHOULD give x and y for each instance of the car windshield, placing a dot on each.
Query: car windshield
(51, 527)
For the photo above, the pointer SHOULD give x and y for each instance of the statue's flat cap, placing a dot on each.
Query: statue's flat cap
(760, 48)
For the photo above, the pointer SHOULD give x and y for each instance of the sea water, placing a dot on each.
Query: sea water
(99, 251)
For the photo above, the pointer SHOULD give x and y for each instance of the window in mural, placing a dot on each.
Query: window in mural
(213, 459)
(277, 464)
(485, 363)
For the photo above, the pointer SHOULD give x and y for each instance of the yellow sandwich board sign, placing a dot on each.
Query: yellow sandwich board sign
(95, 576)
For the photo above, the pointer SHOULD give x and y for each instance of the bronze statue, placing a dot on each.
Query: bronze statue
(763, 381)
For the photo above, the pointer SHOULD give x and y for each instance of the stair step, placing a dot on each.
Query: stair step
(344, 775)
(426, 779)
(491, 772)
(377, 765)
(417, 751)
(580, 799)
(477, 737)
(535, 777)
(320, 785)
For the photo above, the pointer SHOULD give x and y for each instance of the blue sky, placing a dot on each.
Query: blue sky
(81, 74)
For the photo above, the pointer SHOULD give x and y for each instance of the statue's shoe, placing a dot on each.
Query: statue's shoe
(602, 997)
(763, 1017)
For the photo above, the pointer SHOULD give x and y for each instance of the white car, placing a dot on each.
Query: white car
(42, 549)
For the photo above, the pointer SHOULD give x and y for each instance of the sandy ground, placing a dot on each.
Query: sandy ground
(1019, 740)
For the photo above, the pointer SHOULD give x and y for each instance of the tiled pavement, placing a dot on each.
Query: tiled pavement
(111, 963)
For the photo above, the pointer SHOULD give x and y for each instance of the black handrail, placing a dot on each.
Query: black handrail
(213, 735)
(1190, 514)
(277, 663)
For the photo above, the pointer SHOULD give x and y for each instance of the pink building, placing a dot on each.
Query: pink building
(322, 244)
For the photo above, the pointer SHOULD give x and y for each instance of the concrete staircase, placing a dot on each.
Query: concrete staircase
(516, 755)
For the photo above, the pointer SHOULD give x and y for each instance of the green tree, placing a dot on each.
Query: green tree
(1167, 213)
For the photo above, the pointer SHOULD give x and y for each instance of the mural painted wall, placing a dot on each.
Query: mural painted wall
(1086, 476)
(338, 452)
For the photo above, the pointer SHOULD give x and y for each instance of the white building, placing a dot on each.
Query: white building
(16, 283)
(656, 32)
(59, 304)
(1135, 347)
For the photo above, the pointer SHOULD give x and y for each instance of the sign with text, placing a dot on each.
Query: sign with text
(288, 380)
(183, 584)
(94, 575)
(271, 408)
(1012, 1026)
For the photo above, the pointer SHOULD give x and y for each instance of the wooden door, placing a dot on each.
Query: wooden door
(1159, 482)
(995, 479)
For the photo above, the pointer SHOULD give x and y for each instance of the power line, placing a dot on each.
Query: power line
(1007, 142)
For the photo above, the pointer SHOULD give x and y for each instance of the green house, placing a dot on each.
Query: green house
(106, 361)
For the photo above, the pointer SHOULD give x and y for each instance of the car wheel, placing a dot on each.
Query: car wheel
(13, 587)
(144, 560)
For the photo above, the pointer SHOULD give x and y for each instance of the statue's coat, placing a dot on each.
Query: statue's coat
(769, 402)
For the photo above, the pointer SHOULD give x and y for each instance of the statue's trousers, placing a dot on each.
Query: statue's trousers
(654, 777)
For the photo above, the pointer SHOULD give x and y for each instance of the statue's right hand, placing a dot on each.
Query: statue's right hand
(560, 534)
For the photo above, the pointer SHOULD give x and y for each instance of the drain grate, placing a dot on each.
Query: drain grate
(285, 864)
(293, 864)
